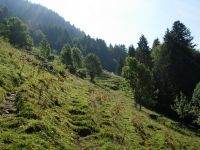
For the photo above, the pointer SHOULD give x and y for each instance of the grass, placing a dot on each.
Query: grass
(61, 111)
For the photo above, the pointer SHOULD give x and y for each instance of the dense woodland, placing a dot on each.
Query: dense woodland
(164, 77)
(44, 22)
(167, 76)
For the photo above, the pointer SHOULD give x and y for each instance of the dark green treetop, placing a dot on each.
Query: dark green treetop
(131, 51)
(143, 52)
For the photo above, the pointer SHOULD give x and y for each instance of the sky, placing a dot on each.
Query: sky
(123, 21)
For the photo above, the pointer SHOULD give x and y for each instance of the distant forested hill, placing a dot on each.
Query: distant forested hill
(44, 22)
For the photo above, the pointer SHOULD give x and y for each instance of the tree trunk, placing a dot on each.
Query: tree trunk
(140, 107)
(92, 77)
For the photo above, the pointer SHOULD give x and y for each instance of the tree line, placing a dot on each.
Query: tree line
(16, 32)
(166, 77)
(44, 22)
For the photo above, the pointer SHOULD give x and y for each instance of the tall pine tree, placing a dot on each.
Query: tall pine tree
(156, 43)
(175, 68)
(143, 52)
(131, 51)
(45, 48)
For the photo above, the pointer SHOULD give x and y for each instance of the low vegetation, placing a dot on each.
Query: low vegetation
(58, 110)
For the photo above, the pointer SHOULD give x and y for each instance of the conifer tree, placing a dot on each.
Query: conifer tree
(156, 43)
(174, 66)
(143, 52)
(131, 51)
(45, 48)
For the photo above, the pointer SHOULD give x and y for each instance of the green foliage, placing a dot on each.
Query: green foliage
(72, 58)
(119, 65)
(82, 73)
(140, 80)
(38, 36)
(77, 57)
(45, 48)
(93, 65)
(16, 32)
(143, 52)
(156, 43)
(176, 66)
(196, 104)
(131, 51)
(66, 55)
(155, 53)
(182, 106)
(41, 21)
(186, 109)
(181, 35)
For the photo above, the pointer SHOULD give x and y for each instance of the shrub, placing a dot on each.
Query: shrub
(82, 73)
(16, 32)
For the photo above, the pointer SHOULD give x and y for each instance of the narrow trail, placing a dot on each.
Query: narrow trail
(10, 108)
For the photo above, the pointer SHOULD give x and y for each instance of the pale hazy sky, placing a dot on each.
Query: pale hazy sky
(123, 21)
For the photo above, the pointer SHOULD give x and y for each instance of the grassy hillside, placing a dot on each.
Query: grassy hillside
(44, 108)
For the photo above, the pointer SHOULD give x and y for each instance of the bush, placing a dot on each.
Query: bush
(182, 106)
(51, 58)
(16, 32)
(196, 104)
(93, 65)
(82, 73)
(36, 127)
(72, 69)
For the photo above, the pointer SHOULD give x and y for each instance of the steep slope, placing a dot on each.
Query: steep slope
(47, 108)
(44, 22)
(41, 18)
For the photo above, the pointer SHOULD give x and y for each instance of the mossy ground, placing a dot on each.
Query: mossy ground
(62, 111)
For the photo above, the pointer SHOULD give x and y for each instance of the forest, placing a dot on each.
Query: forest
(44, 22)
(163, 78)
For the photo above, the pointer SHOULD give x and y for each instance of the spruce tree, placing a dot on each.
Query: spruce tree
(131, 51)
(143, 52)
(156, 43)
(45, 48)
(176, 68)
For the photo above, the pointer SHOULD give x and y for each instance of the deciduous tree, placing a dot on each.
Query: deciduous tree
(66, 55)
(45, 48)
(140, 80)
(16, 32)
(93, 65)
